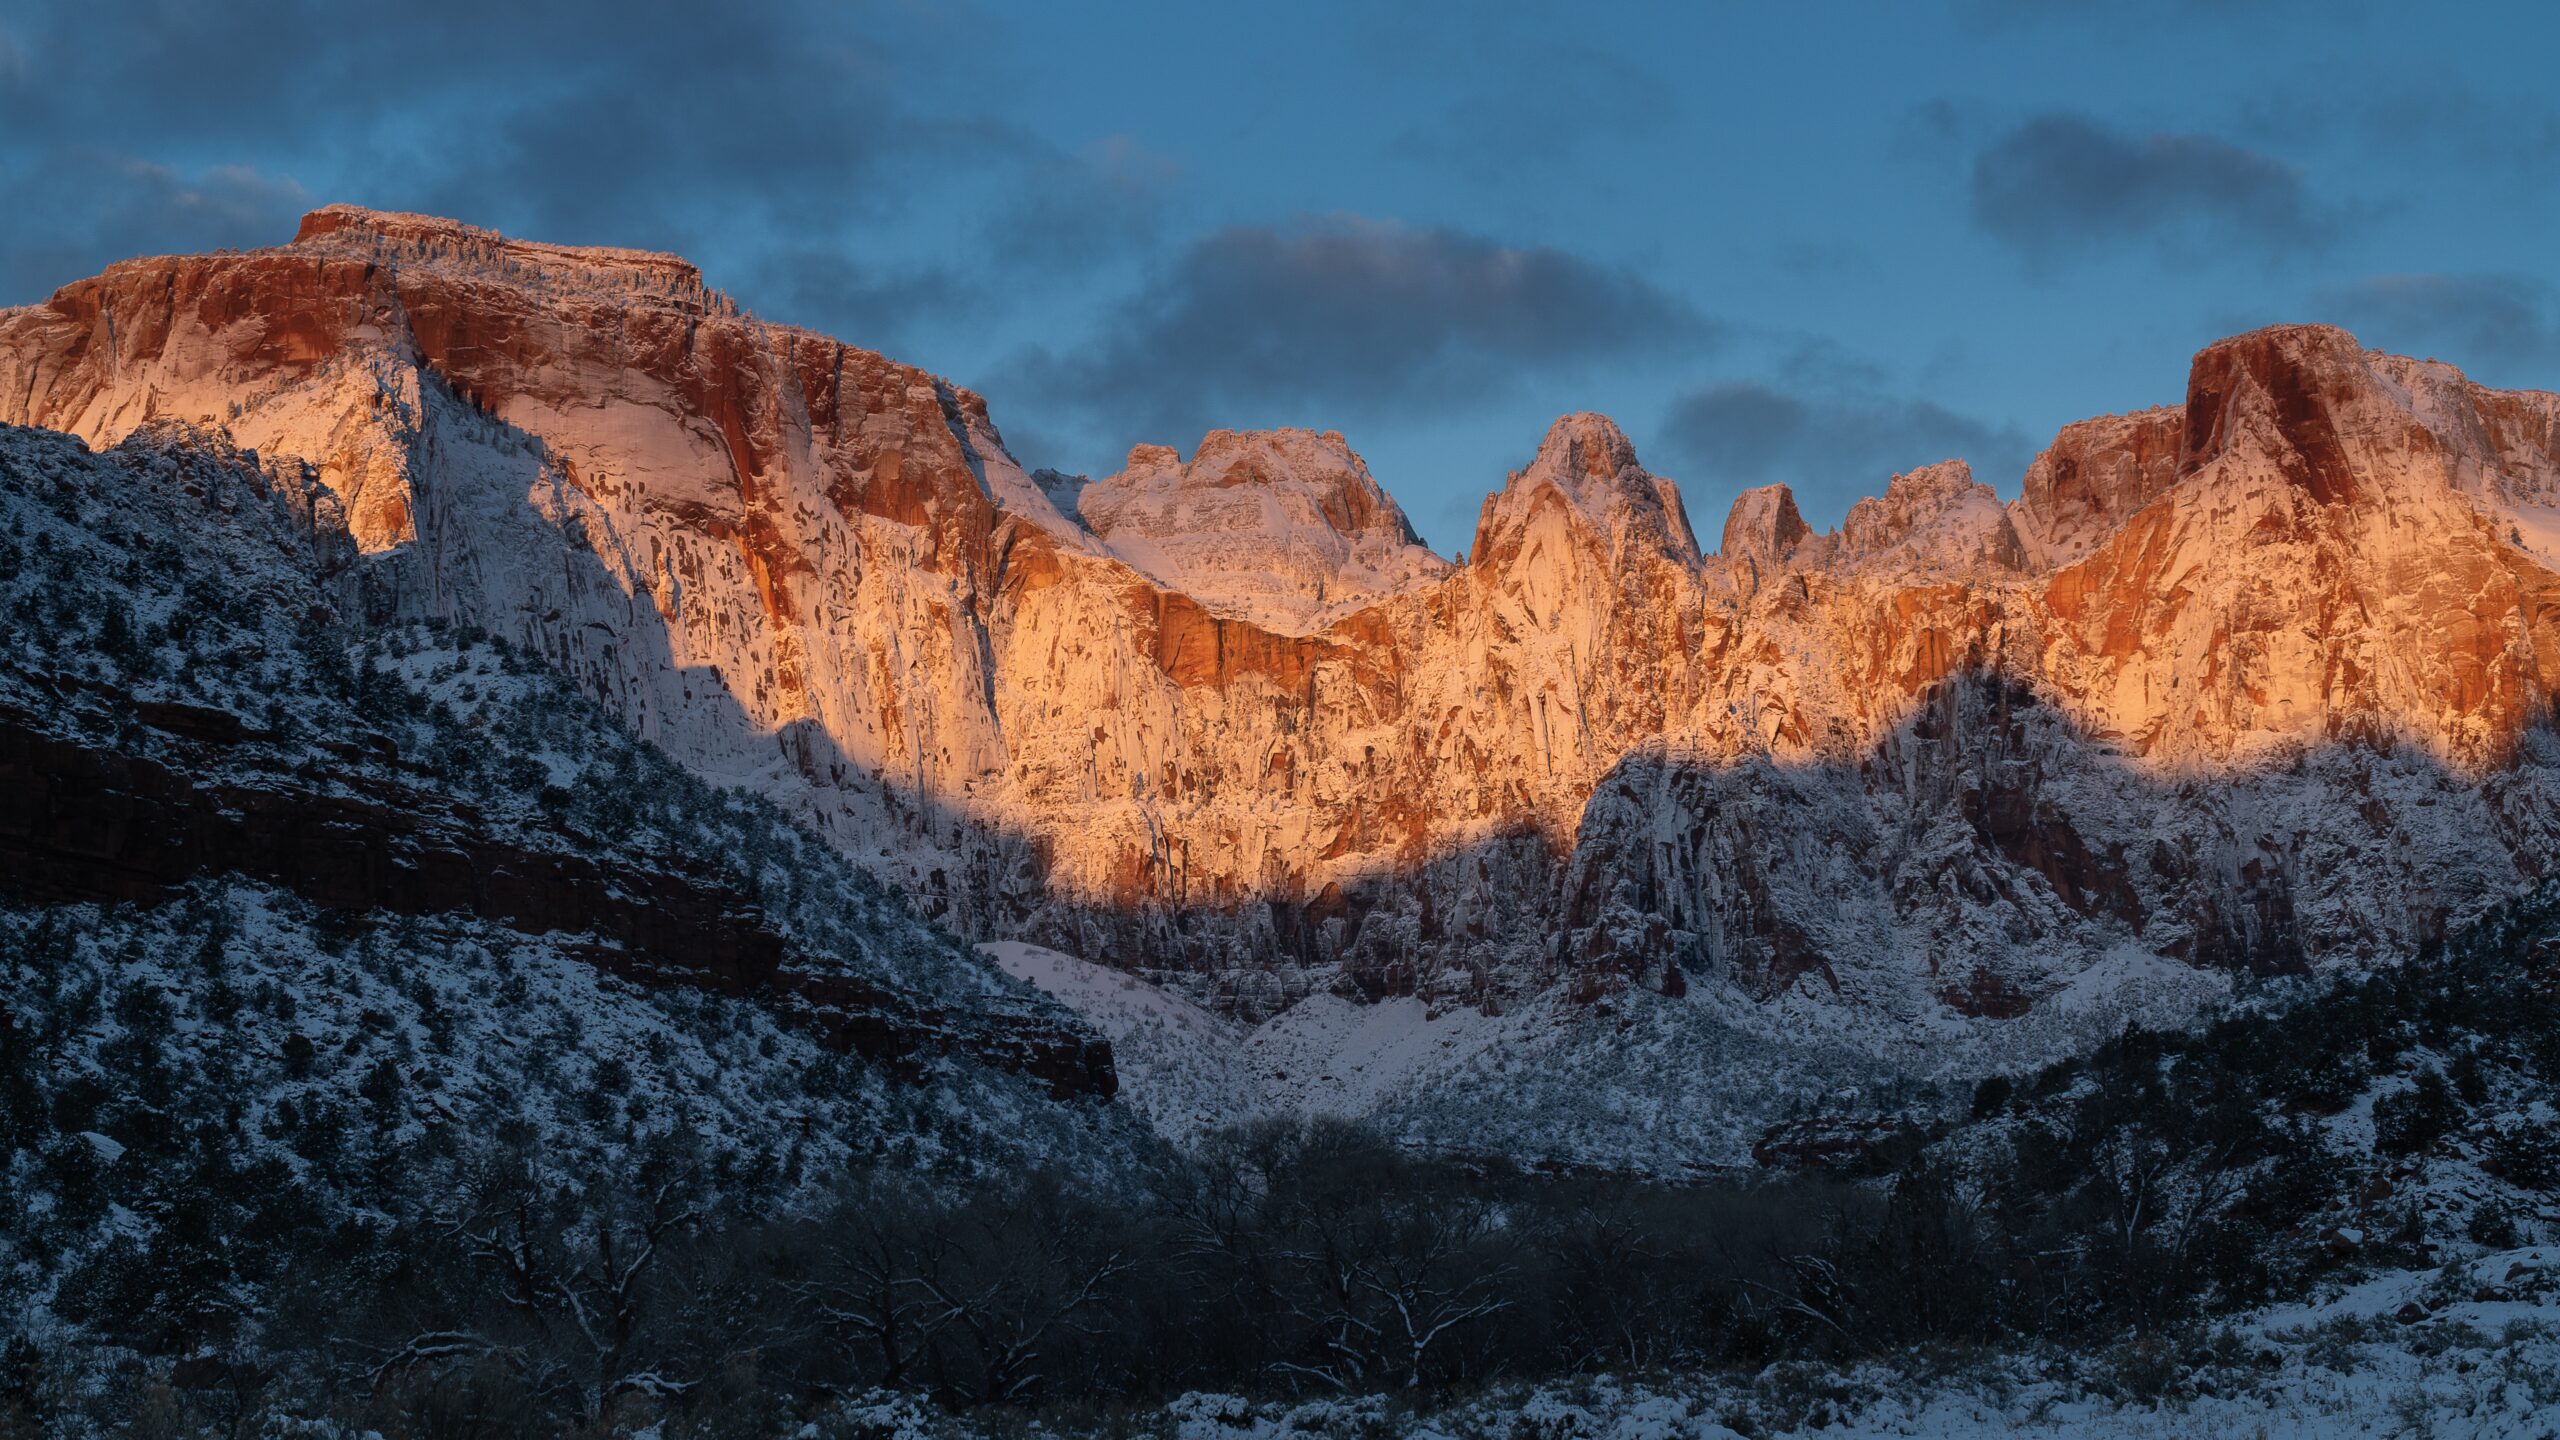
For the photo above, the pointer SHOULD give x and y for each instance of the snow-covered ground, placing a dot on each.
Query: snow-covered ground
(1181, 1067)
(1334, 1056)
(1640, 1082)
(2346, 1365)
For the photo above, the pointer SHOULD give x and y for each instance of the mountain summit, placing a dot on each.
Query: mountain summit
(1225, 721)
(1284, 528)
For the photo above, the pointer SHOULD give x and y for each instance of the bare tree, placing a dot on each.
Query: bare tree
(1433, 1279)
(868, 1281)
(1385, 1273)
(573, 1273)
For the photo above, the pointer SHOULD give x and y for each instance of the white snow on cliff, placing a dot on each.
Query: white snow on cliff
(1284, 528)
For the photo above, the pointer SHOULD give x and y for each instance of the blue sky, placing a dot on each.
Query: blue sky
(1814, 243)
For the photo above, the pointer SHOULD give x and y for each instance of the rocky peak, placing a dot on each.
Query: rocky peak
(2094, 475)
(1764, 527)
(1351, 501)
(1286, 528)
(1588, 445)
(1586, 468)
(2501, 447)
(1146, 462)
(2343, 425)
(2278, 395)
(632, 381)
(1937, 516)
(2332, 506)
(2315, 414)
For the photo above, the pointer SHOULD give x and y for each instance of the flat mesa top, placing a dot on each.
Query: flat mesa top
(430, 239)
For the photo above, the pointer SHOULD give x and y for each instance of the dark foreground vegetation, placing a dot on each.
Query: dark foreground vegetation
(508, 1289)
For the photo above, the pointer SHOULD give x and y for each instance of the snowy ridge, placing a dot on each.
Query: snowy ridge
(1284, 528)
(310, 927)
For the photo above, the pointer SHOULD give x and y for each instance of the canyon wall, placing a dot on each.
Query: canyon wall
(2257, 681)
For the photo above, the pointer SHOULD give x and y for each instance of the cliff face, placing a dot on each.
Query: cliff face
(183, 712)
(2093, 476)
(2255, 681)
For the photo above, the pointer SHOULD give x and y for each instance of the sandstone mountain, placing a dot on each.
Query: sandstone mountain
(2253, 683)
(1282, 528)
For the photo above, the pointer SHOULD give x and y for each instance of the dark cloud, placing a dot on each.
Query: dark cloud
(71, 210)
(504, 114)
(1347, 319)
(1833, 447)
(2061, 183)
(2503, 322)
(279, 70)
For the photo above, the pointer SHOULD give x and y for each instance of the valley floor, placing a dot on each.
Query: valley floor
(2471, 1349)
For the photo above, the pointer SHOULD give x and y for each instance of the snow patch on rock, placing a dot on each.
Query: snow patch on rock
(1284, 528)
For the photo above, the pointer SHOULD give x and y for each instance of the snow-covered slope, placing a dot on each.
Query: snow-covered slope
(1183, 1068)
(317, 932)
(189, 718)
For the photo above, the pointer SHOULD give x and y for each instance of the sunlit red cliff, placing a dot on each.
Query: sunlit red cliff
(2255, 681)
